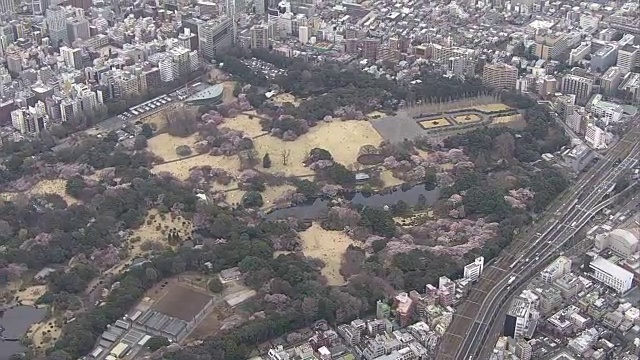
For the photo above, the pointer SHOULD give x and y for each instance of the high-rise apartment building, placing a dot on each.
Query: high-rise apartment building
(474, 270)
(550, 46)
(556, 269)
(579, 53)
(31, 120)
(383, 311)
(182, 59)
(370, 48)
(630, 87)
(72, 57)
(595, 137)
(574, 119)
(167, 69)
(500, 76)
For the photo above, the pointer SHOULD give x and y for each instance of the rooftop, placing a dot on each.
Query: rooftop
(208, 93)
(182, 303)
(604, 265)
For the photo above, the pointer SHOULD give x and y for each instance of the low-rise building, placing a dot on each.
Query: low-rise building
(611, 275)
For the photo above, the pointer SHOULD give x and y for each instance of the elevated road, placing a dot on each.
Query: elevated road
(474, 317)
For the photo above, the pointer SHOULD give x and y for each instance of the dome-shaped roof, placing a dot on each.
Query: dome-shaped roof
(629, 237)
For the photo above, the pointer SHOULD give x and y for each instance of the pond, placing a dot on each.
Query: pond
(15, 322)
(319, 207)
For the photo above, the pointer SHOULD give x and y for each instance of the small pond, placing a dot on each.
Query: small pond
(319, 207)
(14, 323)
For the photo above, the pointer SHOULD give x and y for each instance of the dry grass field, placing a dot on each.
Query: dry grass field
(492, 107)
(506, 119)
(44, 334)
(164, 145)
(342, 139)
(43, 187)
(29, 295)
(328, 246)
(434, 123)
(155, 229)
(180, 169)
(467, 119)
(286, 98)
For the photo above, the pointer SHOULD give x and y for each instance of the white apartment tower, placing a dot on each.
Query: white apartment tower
(595, 137)
(72, 57)
(474, 270)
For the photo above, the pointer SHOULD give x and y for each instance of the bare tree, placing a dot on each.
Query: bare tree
(285, 157)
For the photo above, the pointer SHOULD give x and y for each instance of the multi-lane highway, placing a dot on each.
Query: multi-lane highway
(473, 319)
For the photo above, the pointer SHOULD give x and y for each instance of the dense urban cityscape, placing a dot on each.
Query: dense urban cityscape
(299, 179)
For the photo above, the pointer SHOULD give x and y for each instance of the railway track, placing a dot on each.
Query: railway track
(461, 338)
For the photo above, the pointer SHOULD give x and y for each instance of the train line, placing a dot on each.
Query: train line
(473, 318)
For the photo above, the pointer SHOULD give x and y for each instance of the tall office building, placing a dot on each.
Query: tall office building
(500, 76)
(78, 28)
(580, 86)
(214, 35)
(522, 316)
(610, 80)
(628, 57)
(260, 36)
(7, 6)
(56, 20)
(303, 34)
(82, 4)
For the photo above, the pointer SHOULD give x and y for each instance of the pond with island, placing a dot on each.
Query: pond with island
(14, 323)
(318, 208)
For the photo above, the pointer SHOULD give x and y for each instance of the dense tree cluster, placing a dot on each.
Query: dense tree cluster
(541, 135)
(291, 292)
(50, 232)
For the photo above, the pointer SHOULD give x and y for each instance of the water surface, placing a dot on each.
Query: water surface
(318, 208)
(16, 321)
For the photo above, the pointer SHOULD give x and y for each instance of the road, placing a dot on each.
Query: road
(473, 319)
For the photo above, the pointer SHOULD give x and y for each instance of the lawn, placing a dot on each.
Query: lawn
(434, 123)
